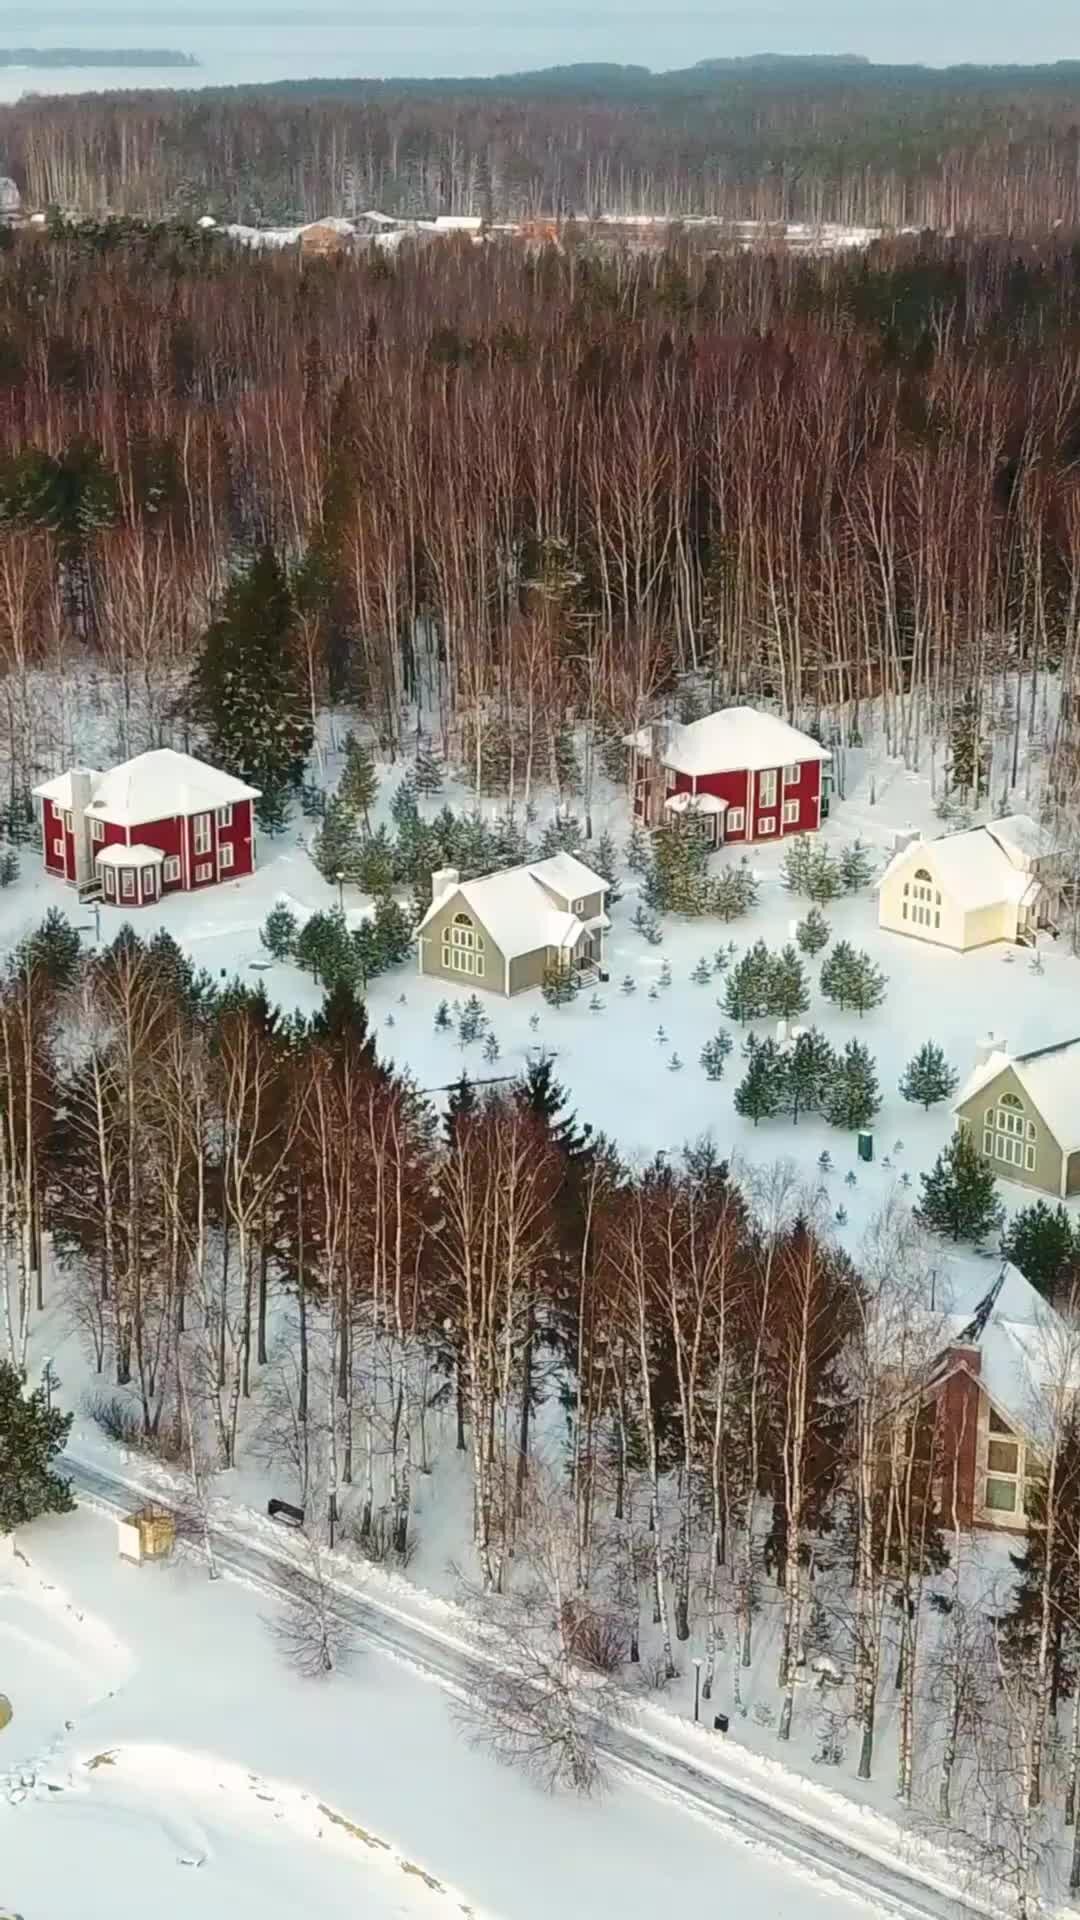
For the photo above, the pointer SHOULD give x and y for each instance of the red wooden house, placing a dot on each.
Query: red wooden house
(745, 775)
(161, 823)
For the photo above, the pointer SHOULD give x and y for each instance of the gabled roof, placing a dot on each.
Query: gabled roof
(730, 741)
(1021, 1340)
(1050, 1076)
(971, 867)
(154, 786)
(1023, 839)
(515, 906)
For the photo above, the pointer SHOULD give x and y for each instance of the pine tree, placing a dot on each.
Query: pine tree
(677, 880)
(714, 1054)
(491, 1049)
(814, 932)
(675, 1064)
(427, 773)
(959, 1193)
(746, 993)
(359, 781)
(856, 866)
(809, 1066)
(838, 974)
(647, 924)
(9, 867)
(629, 984)
(795, 866)
(375, 867)
(638, 849)
(733, 893)
(563, 834)
(761, 1093)
(461, 1102)
(55, 947)
(559, 984)
(823, 877)
(1041, 1241)
(32, 1435)
(928, 1077)
(788, 995)
(867, 984)
(335, 848)
(702, 973)
(404, 811)
(852, 1098)
(393, 930)
(247, 691)
(342, 1019)
(322, 948)
(443, 1021)
(604, 861)
(596, 1005)
(665, 973)
(472, 1022)
(279, 932)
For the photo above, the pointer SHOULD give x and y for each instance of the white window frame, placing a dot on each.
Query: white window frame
(462, 947)
(127, 883)
(226, 857)
(224, 816)
(203, 837)
(766, 826)
(791, 776)
(97, 829)
(735, 820)
(170, 872)
(766, 789)
(58, 847)
(791, 813)
(204, 872)
(110, 884)
(669, 779)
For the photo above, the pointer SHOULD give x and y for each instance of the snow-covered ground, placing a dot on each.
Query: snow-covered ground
(161, 1757)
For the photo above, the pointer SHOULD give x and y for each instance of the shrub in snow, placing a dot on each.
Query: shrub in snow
(596, 1005)
(629, 984)
(654, 991)
(443, 1021)
(959, 1195)
(664, 976)
(491, 1049)
(646, 923)
(814, 932)
(723, 957)
(472, 1022)
(850, 1179)
(840, 1216)
(661, 1037)
(9, 867)
(534, 1023)
(714, 1053)
(702, 973)
(733, 893)
(32, 1436)
(825, 1162)
(926, 1079)
(559, 985)
(675, 1064)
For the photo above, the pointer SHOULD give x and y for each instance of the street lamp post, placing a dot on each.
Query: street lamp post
(697, 1687)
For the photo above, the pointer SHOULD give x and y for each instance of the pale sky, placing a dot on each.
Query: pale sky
(477, 36)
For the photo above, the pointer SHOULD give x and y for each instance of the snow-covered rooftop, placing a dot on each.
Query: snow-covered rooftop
(695, 803)
(154, 786)
(731, 740)
(971, 867)
(135, 856)
(1050, 1076)
(1023, 839)
(515, 906)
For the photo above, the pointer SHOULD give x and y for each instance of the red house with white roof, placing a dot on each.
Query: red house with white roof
(161, 823)
(746, 775)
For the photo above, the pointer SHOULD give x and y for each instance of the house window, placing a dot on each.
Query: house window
(1008, 1134)
(735, 820)
(791, 813)
(462, 951)
(766, 788)
(204, 872)
(202, 833)
(791, 776)
(1002, 1493)
(669, 779)
(58, 848)
(97, 829)
(110, 884)
(766, 826)
(579, 906)
(127, 884)
(224, 816)
(171, 870)
(926, 910)
(225, 857)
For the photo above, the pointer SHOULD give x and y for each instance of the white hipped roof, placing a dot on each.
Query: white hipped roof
(136, 856)
(1050, 1076)
(515, 907)
(694, 803)
(734, 740)
(973, 868)
(159, 785)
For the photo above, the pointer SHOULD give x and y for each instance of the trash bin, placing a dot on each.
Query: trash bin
(866, 1146)
(721, 1722)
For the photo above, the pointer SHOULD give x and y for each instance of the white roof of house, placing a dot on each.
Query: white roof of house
(1022, 1341)
(971, 867)
(136, 856)
(514, 908)
(154, 786)
(1050, 1076)
(695, 803)
(729, 741)
(1023, 839)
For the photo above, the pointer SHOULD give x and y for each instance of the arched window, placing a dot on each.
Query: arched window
(921, 873)
(463, 947)
(1008, 1134)
(926, 906)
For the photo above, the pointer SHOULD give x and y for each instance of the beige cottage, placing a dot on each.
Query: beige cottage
(967, 890)
(503, 931)
(1023, 1113)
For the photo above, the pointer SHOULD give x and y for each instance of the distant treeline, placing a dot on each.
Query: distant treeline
(95, 57)
(977, 148)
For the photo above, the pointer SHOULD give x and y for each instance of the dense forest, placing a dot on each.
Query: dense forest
(980, 148)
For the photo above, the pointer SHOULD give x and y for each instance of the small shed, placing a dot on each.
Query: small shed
(149, 1534)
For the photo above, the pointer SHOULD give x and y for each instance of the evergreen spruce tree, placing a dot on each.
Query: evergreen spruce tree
(788, 995)
(1042, 1242)
(490, 1049)
(32, 1436)
(809, 1067)
(443, 1021)
(852, 1098)
(335, 848)
(856, 866)
(359, 781)
(323, 948)
(823, 877)
(563, 834)
(762, 1091)
(559, 984)
(702, 973)
(838, 971)
(55, 947)
(629, 984)
(247, 691)
(404, 811)
(365, 957)
(279, 931)
(746, 991)
(604, 861)
(472, 1022)
(677, 880)
(375, 865)
(795, 866)
(733, 892)
(461, 1102)
(813, 933)
(867, 984)
(715, 1053)
(9, 866)
(638, 849)
(664, 975)
(959, 1193)
(928, 1077)
(342, 1019)
(646, 923)
(393, 929)
(427, 773)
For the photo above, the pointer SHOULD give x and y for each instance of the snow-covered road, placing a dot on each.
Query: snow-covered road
(666, 1766)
